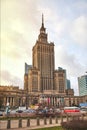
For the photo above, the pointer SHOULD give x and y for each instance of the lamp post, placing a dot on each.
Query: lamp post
(26, 102)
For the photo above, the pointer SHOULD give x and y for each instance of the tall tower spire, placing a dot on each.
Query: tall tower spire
(42, 20)
(42, 36)
(42, 29)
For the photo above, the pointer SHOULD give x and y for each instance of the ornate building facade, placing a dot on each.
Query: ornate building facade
(18, 97)
(42, 76)
(42, 83)
(13, 95)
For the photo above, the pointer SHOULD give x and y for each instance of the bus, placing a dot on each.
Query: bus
(71, 109)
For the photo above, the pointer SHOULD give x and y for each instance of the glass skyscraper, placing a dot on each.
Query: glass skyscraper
(82, 83)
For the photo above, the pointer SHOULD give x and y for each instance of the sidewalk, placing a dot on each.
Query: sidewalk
(33, 127)
(34, 124)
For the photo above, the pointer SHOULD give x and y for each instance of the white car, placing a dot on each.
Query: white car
(1, 113)
(83, 110)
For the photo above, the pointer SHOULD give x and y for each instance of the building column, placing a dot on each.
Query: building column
(10, 100)
(5, 101)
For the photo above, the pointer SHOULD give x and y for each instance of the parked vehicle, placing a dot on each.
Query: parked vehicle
(1, 113)
(83, 110)
(71, 109)
(29, 111)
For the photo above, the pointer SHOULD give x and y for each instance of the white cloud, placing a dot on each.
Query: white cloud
(81, 5)
(72, 64)
(74, 83)
(10, 79)
(79, 31)
(69, 61)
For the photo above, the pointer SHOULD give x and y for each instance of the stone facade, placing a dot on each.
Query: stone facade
(18, 97)
(42, 77)
(13, 95)
(42, 83)
(74, 100)
(69, 92)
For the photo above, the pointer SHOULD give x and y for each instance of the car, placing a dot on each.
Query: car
(13, 111)
(1, 113)
(29, 111)
(83, 111)
(19, 111)
(71, 109)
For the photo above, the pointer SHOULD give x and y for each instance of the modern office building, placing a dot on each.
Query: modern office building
(82, 84)
(68, 84)
(69, 91)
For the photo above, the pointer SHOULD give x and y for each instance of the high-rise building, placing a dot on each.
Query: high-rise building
(27, 67)
(43, 60)
(42, 76)
(60, 80)
(69, 91)
(68, 84)
(82, 83)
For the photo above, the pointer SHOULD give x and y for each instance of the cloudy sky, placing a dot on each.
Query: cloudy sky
(66, 25)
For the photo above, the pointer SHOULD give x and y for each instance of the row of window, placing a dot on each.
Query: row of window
(45, 48)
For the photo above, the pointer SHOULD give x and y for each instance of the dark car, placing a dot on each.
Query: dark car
(19, 111)
(1, 113)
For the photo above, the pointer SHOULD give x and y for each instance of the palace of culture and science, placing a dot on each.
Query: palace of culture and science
(41, 76)
(42, 83)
